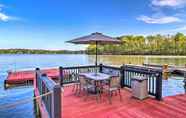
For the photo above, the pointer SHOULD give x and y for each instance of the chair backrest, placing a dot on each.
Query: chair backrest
(114, 82)
(82, 80)
(74, 77)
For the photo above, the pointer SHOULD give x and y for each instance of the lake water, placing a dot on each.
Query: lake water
(15, 62)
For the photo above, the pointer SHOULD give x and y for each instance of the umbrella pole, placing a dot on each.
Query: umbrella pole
(96, 53)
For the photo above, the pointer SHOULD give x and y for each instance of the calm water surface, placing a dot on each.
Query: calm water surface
(15, 62)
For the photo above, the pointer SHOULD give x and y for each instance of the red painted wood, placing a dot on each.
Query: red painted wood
(76, 107)
(22, 76)
(41, 105)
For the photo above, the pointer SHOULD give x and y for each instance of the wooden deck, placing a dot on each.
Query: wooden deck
(76, 107)
(22, 77)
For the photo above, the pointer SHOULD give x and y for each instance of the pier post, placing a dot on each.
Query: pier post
(61, 75)
(184, 81)
(165, 72)
(37, 70)
(101, 68)
(5, 85)
(122, 69)
(158, 86)
(185, 73)
(56, 101)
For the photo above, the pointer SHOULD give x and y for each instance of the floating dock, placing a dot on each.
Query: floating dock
(26, 77)
(171, 68)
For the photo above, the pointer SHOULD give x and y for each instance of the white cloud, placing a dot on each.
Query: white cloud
(183, 28)
(171, 31)
(169, 3)
(159, 20)
(4, 17)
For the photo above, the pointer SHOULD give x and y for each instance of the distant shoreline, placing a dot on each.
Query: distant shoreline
(39, 51)
(42, 51)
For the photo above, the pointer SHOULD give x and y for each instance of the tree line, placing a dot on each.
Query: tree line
(145, 45)
(38, 51)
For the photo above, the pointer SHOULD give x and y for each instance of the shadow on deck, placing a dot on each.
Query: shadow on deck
(76, 107)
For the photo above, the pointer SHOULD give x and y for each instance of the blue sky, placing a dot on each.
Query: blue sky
(47, 24)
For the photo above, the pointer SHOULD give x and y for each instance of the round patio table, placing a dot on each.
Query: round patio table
(96, 77)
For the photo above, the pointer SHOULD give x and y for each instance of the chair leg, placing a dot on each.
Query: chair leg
(110, 96)
(73, 87)
(77, 89)
(120, 95)
(98, 96)
(116, 93)
(87, 94)
(79, 92)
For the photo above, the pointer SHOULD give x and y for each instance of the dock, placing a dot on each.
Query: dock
(26, 77)
(56, 99)
(171, 68)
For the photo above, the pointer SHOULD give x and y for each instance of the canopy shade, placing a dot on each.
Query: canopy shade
(94, 38)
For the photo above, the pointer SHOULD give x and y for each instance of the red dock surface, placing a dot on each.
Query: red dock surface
(24, 76)
(76, 107)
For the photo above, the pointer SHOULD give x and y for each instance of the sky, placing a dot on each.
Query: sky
(47, 24)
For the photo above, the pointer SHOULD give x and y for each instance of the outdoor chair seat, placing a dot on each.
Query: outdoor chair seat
(76, 82)
(87, 87)
(110, 88)
(114, 86)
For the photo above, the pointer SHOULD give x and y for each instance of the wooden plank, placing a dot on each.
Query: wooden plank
(169, 107)
(22, 77)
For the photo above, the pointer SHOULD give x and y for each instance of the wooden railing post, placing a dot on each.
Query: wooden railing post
(61, 75)
(101, 68)
(56, 101)
(158, 86)
(37, 70)
(122, 75)
(185, 73)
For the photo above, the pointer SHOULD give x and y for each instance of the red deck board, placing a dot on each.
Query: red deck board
(76, 107)
(21, 76)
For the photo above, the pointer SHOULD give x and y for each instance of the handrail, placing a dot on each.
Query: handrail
(112, 67)
(49, 83)
(154, 78)
(75, 67)
(51, 104)
(145, 68)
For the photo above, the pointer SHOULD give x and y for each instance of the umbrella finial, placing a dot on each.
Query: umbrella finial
(96, 33)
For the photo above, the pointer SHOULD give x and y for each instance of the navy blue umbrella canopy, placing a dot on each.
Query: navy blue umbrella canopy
(95, 38)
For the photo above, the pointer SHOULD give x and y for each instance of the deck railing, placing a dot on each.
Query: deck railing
(70, 74)
(154, 78)
(126, 72)
(51, 100)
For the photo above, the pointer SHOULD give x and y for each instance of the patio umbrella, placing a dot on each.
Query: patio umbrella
(95, 38)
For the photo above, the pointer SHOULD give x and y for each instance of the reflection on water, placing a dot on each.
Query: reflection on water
(133, 59)
(173, 86)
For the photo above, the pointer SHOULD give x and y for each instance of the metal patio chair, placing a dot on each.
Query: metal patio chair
(113, 86)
